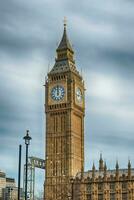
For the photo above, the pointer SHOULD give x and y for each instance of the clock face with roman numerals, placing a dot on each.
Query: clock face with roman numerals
(79, 95)
(57, 93)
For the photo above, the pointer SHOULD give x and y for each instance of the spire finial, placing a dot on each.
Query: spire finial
(101, 165)
(129, 164)
(65, 22)
(117, 170)
(129, 168)
(117, 164)
(100, 155)
(93, 167)
(93, 171)
(105, 166)
(65, 47)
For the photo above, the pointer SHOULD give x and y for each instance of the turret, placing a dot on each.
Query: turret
(105, 171)
(93, 171)
(101, 165)
(129, 169)
(117, 170)
(65, 50)
(64, 61)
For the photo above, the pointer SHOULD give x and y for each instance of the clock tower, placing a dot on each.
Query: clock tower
(65, 108)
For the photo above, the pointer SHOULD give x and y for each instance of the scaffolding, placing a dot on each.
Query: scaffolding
(33, 162)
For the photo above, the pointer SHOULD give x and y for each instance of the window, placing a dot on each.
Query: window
(112, 196)
(88, 188)
(112, 186)
(89, 197)
(124, 196)
(124, 186)
(100, 196)
(100, 186)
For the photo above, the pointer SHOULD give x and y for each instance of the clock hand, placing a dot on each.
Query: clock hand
(57, 90)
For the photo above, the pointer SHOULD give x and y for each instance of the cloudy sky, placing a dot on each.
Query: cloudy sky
(102, 34)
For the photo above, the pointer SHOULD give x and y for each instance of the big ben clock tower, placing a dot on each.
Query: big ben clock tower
(64, 107)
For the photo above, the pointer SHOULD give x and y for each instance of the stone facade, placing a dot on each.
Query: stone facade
(103, 184)
(65, 109)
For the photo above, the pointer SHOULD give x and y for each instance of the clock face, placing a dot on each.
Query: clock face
(78, 95)
(57, 92)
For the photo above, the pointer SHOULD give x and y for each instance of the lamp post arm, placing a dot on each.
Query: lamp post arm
(26, 171)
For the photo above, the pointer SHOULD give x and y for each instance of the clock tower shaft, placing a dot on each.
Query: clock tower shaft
(64, 107)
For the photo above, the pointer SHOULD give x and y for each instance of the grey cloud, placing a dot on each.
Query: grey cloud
(114, 139)
(24, 28)
(102, 34)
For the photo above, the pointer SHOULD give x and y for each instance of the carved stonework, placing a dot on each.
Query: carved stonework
(64, 108)
(65, 178)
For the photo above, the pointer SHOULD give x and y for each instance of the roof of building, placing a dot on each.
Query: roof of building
(12, 180)
(104, 171)
(101, 173)
(2, 174)
(64, 62)
(63, 66)
(65, 43)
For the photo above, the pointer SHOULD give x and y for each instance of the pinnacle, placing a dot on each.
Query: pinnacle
(65, 44)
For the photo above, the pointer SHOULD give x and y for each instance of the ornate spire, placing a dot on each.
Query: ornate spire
(65, 44)
(93, 167)
(105, 167)
(65, 50)
(105, 171)
(117, 170)
(101, 165)
(65, 21)
(65, 55)
(93, 171)
(129, 168)
(129, 164)
(117, 165)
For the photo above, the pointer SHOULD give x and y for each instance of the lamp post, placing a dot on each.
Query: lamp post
(19, 171)
(27, 139)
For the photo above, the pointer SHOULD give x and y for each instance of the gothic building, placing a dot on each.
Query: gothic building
(104, 184)
(65, 109)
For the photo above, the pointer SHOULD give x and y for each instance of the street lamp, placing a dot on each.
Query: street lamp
(27, 139)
